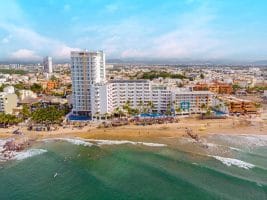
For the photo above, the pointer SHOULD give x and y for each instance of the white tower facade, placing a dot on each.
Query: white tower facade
(87, 70)
(48, 65)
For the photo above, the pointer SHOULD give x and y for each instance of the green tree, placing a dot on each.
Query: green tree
(151, 106)
(236, 87)
(203, 107)
(7, 119)
(37, 88)
(140, 105)
(49, 115)
(25, 112)
(53, 78)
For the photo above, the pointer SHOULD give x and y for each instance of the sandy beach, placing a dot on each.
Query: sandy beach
(149, 133)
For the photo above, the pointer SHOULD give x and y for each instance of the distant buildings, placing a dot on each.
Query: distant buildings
(48, 65)
(219, 88)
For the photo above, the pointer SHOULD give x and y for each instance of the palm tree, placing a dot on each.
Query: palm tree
(178, 110)
(121, 113)
(140, 105)
(106, 116)
(203, 107)
(151, 106)
(127, 107)
(97, 115)
(168, 111)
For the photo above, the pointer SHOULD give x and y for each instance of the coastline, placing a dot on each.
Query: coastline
(149, 133)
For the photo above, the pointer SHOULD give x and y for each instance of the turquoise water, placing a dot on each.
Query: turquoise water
(68, 171)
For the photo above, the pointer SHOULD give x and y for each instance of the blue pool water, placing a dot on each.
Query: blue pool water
(219, 113)
(78, 118)
(151, 115)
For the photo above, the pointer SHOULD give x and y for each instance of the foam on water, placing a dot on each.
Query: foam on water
(2, 143)
(248, 141)
(118, 142)
(235, 162)
(27, 154)
(70, 140)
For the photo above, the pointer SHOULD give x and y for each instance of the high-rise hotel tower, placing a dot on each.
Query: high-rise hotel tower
(87, 70)
(48, 66)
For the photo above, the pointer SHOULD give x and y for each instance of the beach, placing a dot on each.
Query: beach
(149, 133)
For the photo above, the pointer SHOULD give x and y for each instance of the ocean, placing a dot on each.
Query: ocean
(221, 167)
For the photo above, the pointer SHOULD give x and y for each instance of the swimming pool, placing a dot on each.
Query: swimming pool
(154, 115)
(219, 113)
(78, 118)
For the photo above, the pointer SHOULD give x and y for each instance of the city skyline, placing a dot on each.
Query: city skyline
(185, 30)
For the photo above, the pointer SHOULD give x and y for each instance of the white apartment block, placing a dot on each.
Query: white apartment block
(109, 96)
(161, 97)
(48, 65)
(134, 91)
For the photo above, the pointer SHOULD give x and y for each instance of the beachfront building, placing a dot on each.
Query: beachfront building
(88, 71)
(134, 92)
(192, 101)
(161, 96)
(92, 95)
(48, 66)
(8, 102)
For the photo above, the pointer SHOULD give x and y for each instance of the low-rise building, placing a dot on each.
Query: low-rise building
(27, 94)
(8, 102)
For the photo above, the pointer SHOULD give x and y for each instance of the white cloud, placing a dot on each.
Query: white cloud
(191, 36)
(25, 54)
(30, 39)
(31, 42)
(62, 51)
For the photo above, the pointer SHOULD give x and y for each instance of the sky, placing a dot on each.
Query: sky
(134, 29)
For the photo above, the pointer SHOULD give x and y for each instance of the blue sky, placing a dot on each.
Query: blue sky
(154, 29)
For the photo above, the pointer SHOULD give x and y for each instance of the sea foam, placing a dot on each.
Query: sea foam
(119, 142)
(248, 141)
(70, 140)
(27, 153)
(235, 162)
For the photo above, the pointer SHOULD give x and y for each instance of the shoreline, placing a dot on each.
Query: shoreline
(157, 135)
(148, 133)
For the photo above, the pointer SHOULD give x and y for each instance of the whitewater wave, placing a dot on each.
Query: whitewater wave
(209, 145)
(119, 142)
(91, 142)
(28, 153)
(235, 162)
(70, 140)
(248, 141)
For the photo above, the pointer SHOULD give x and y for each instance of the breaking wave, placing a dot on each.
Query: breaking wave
(91, 142)
(235, 162)
(28, 153)
(72, 141)
(118, 142)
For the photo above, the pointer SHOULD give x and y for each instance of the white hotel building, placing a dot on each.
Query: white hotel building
(93, 94)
